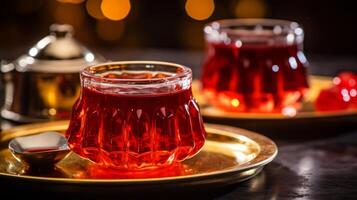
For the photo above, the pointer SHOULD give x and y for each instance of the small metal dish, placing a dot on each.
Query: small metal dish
(42, 150)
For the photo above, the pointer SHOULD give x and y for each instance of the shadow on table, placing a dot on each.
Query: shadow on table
(93, 192)
(275, 180)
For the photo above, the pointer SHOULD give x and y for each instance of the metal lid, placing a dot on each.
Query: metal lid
(58, 52)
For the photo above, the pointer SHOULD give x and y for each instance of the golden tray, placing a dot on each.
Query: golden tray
(305, 119)
(230, 155)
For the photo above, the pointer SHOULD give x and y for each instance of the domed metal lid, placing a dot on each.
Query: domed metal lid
(58, 52)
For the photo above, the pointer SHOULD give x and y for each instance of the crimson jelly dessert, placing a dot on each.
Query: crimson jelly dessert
(136, 115)
(254, 65)
(341, 95)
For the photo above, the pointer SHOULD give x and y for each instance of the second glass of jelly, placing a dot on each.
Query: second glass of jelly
(255, 65)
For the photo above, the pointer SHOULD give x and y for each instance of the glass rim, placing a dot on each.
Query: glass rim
(225, 23)
(88, 72)
(251, 30)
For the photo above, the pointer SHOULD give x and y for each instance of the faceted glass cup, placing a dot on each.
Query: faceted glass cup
(136, 115)
(255, 65)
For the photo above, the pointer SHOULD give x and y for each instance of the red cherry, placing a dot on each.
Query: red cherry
(346, 80)
(332, 99)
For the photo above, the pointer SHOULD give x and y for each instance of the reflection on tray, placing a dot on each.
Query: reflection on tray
(229, 152)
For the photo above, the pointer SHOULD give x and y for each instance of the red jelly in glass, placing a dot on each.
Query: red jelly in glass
(254, 65)
(136, 115)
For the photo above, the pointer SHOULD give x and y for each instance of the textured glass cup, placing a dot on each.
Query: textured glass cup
(136, 115)
(254, 65)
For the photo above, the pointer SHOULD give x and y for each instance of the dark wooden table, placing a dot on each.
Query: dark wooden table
(321, 168)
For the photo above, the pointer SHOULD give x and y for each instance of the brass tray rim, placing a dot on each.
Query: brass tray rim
(276, 116)
(56, 125)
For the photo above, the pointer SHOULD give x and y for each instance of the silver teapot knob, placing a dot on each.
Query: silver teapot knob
(61, 30)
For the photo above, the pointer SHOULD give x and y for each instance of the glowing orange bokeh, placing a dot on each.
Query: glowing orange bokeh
(115, 9)
(93, 9)
(69, 14)
(250, 8)
(199, 9)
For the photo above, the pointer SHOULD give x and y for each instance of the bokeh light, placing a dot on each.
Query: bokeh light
(235, 102)
(108, 30)
(93, 9)
(199, 9)
(71, 1)
(115, 9)
(69, 14)
(250, 8)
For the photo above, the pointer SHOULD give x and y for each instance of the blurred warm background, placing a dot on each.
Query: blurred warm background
(123, 25)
